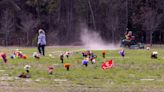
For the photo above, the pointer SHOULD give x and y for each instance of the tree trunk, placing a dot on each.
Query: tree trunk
(113, 39)
(147, 36)
(113, 34)
(127, 13)
(151, 38)
(59, 11)
(160, 37)
(38, 11)
(6, 39)
(27, 37)
(92, 14)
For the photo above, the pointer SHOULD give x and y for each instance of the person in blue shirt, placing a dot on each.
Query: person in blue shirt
(41, 42)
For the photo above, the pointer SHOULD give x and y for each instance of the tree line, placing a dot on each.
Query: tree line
(20, 20)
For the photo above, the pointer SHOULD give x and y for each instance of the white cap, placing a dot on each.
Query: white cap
(41, 31)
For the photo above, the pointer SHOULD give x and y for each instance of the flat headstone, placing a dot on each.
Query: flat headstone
(5, 74)
(39, 79)
(4, 83)
(60, 80)
(56, 64)
(6, 78)
(147, 79)
(17, 78)
(131, 75)
(28, 80)
(2, 70)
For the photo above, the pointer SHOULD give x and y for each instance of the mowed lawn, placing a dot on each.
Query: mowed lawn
(137, 72)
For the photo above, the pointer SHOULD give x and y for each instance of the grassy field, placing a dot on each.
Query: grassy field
(137, 72)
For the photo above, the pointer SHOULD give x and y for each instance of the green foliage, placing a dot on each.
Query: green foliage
(53, 5)
(82, 8)
(32, 2)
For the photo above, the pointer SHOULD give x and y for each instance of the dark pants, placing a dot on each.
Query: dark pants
(41, 49)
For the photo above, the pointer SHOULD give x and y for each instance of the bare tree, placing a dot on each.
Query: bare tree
(28, 23)
(113, 18)
(114, 27)
(92, 14)
(11, 3)
(7, 24)
(151, 20)
(8, 21)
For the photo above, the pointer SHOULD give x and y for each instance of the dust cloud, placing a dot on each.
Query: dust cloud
(91, 40)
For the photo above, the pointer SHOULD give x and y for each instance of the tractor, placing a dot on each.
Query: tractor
(130, 42)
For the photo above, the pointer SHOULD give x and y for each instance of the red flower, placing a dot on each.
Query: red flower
(103, 52)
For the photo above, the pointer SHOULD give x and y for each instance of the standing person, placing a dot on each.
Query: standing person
(41, 42)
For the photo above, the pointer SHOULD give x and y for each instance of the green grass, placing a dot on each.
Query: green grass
(125, 76)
